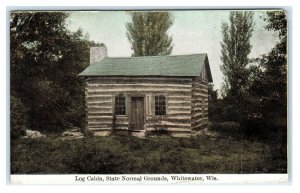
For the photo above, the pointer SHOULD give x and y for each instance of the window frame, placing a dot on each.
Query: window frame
(119, 106)
(160, 105)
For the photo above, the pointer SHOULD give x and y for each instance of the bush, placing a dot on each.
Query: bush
(255, 128)
(18, 117)
(87, 133)
(94, 156)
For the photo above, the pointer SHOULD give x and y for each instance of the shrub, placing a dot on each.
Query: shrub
(94, 156)
(87, 133)
(255, 128)
(18, 119)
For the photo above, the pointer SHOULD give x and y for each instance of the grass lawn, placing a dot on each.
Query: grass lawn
(124, 154)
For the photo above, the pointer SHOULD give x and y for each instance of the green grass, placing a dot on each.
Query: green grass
(124, 154)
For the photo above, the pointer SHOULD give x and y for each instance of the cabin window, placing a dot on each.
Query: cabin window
(160, 105)
(120, 108)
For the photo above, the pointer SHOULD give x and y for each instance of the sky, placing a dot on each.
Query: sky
(192, 31)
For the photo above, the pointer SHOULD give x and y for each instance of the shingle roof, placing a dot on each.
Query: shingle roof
(181, 65)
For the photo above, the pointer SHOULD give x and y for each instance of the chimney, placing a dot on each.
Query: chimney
(97, 54)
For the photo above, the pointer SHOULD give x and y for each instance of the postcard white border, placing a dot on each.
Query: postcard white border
(151, 179)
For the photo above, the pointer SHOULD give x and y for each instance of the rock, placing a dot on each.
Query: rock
(206, 132)
(72, 134)
(33, 134)
(139, 134)
(74, 129)
(102, 133)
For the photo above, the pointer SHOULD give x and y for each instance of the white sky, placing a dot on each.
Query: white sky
(192, 31)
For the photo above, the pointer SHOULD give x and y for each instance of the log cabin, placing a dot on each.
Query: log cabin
(147, 94)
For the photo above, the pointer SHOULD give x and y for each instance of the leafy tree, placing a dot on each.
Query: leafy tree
(272, 82)
(212, 94)
(269, 79)
(19, 121)
(235, 50)
(45, 62)
(147, 33)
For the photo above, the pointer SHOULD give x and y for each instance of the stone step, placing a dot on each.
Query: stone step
(139, 134)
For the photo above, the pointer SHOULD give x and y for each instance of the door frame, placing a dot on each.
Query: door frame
(144, 109)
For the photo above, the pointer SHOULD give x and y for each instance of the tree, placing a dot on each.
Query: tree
(235, 50)
(19, 121)
(147, 33)
(272, 82)
(45, 62)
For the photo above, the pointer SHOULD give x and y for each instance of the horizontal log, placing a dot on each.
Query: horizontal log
(198, 113)
(138, 89)
(122, 123)
(100, 117)
(99, 96)
(169, 121)
(199, 84)
(200, 103)
(200, 108)
(122, 128)
(200, 100)
(104, 107)
(99, 114)
(200, 125)
(106, 120)
(93, 98)
(200, 90)
(142, 92)
(197, 125)
(202, 119)
(128, 80)
(177, 108)
(100, 102)
(195, 111)
(175, 115)
(122, 117)
(199, 95)
(167, 126)
(178, 101)
(99, 128)
(197, 118)
(171, 130)
(180, 98)
(182, 104)
(140, 85)
(99, 110)
(180, 116)
(179, 113)
(99, 120)
(107, 123)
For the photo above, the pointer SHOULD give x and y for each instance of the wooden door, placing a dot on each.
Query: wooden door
(137, 113)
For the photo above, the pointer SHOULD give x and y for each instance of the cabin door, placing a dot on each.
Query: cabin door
(137, 113)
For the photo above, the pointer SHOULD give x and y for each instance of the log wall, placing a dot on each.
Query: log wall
(101, 92)
(200, 102)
